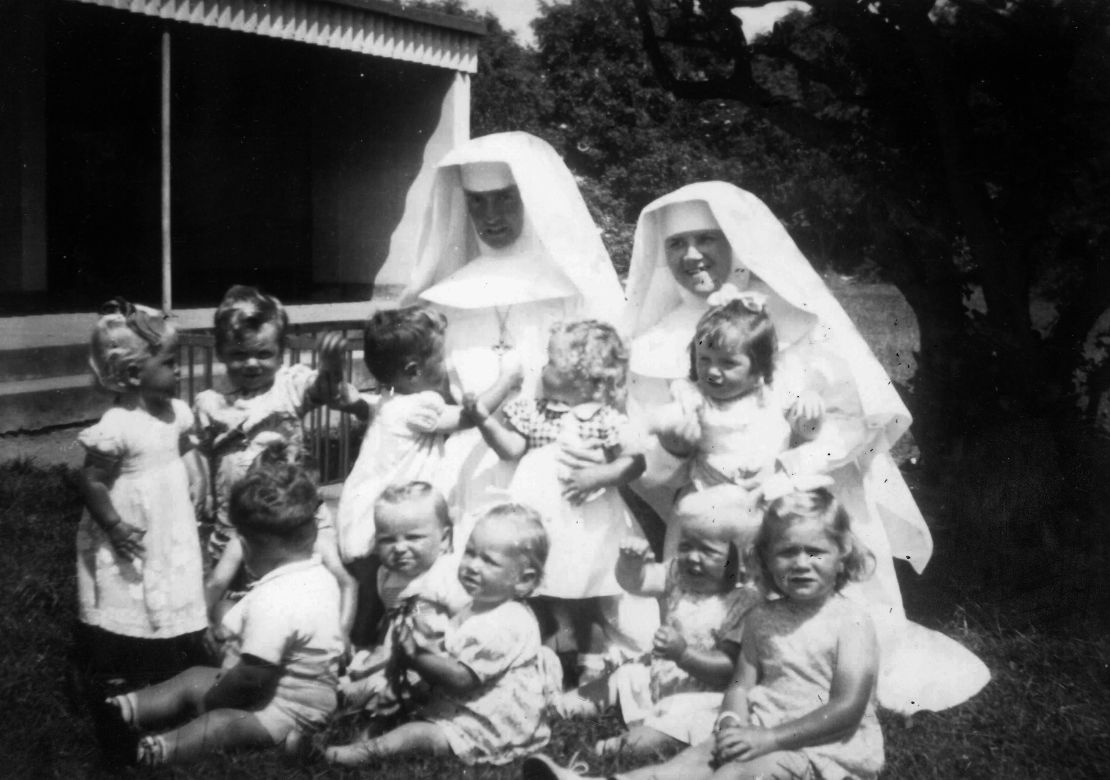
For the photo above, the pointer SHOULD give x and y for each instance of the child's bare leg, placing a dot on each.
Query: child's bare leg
(415, 737)
(693, 763)
(640, 741)
(176, 698)
(210, 733)
(781, 765)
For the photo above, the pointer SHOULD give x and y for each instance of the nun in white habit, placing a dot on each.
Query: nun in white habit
(507, 249)
(687, 245)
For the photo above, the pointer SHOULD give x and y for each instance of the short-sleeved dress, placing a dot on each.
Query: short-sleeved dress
(505, 718)
(585, 539)
(160, 594)
(398, 447)
(254, 420)
(684, 706)
(739, 438)
(795, 645)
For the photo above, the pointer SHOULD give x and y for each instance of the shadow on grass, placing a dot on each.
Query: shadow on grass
(1043, 715)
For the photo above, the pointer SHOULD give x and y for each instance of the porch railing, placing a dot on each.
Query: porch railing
(332, 438)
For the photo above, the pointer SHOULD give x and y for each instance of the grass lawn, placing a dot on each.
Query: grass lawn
(1046, 714)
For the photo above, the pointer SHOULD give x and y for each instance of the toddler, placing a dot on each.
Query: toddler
(582, 389)
(230, 579)
(419, 587)
(492, 685)
(801, 700)
(727, 419)
(139, 570)
(265, 400)
(283, 639)
(705, 594)
(403, 349)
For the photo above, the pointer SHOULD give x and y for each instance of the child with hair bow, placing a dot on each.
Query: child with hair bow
(728, 418)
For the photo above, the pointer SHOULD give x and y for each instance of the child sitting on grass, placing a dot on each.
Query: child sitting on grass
(492, 686)
(705, 594)
(283, 640)
(801, 703)
(418, 584)
(230, 579)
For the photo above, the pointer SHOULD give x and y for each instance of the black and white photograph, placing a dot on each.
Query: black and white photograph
(555, 389)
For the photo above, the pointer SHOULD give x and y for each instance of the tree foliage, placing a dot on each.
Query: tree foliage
(950, 148)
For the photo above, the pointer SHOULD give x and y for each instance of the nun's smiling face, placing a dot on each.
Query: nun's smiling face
(700, 260)
(497, 215)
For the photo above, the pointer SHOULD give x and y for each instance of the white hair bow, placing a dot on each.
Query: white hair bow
(729, 292)
(781, 484)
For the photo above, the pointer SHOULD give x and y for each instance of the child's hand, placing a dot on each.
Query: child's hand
(578, 485)
(806, 412)
(474, 409)
(406, 640)
(636, 550)
(742, 743)
(668, 643)
(331, 348)
(127, 540)
(678, 434)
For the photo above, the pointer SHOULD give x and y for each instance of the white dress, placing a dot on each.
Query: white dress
(398, 448)
(160, 594)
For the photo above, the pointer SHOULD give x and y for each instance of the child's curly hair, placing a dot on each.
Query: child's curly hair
(276, 498)
(735, 326)
(244, 309)
(123, 338)
(531, 542)
(594, 352)
(393, 338)
(857, 562)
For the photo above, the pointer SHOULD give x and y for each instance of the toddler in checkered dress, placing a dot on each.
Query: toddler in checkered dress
(583, 389)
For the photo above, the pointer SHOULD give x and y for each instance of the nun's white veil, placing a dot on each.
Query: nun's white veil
(559, 225)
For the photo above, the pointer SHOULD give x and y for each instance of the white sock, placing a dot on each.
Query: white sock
(128, 706)
(153, 751)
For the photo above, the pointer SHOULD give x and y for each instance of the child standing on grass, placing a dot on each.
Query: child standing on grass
(582, 389)
(705, 594)
(265, 401)
(139, 573)
(403, 349)
(802, 698)
(283, 639)
(418, 585)
(491, 688)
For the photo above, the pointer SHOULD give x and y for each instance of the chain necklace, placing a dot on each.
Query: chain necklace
(503, 344)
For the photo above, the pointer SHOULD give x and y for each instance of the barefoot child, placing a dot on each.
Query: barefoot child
(283, 638)
(139, 572)
(491, 688)
(418, 584)
(583, 386)
(705, 594)
(802, 699)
